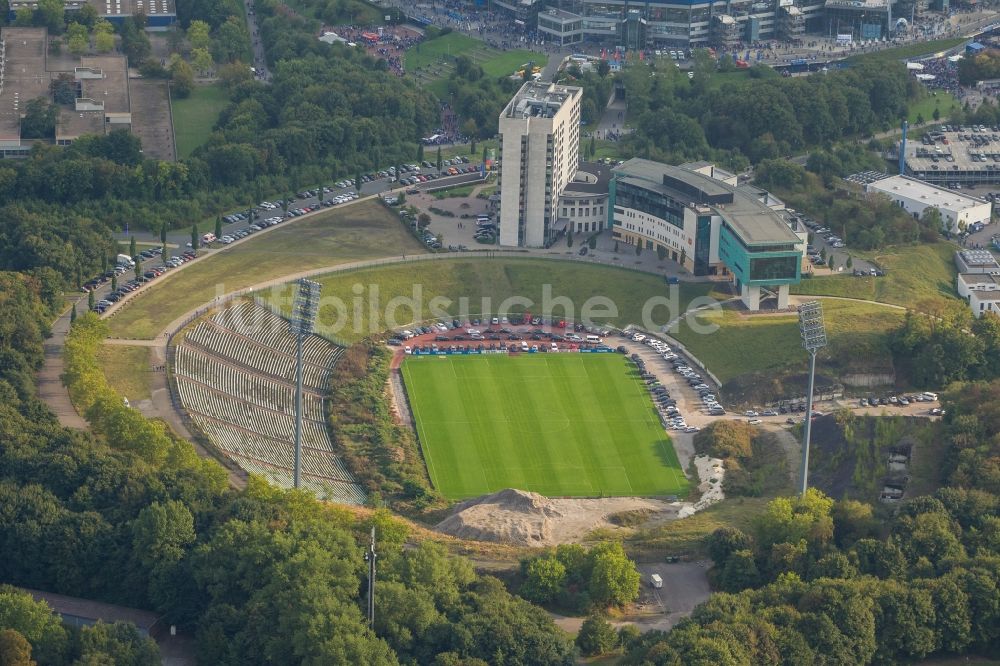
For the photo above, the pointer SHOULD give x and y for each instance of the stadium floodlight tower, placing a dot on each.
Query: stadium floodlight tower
(301, 325)
(813, 339)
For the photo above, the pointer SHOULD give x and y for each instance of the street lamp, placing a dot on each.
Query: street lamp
(301, 325)
(813, 333)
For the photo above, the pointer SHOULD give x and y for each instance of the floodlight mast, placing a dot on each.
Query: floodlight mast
(301, 325)
(370, 557)
(813, 333)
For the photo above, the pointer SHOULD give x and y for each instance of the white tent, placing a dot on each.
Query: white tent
(914, 66)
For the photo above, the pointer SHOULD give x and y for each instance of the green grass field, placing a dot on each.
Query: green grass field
(418, 289)
(556, 424)
(759, 345)
(360, 231)
(943, 101)
(195, 116)
(448, 46)
(908, 51)
(927, 289)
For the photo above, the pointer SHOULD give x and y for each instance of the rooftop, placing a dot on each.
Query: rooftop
(978, 278)
(112, 8)
(932, 195)
(24, 77)
(540, 99)
(978, 258)
(965, 151)
(112, 87)
(590, 178)
(751, 218)
(95, 610)
(561, 15)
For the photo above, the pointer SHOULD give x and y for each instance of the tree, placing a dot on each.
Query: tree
(231, 40)
(72, 314)
(52, 14)
(592, 149)
(195, 240)
(24, 17)
(420, 153)
(35, 622)
(569, 238)
(198, 34)
(829, 261)
(614, 579)
(132, 249)
(201, 58)
(603, 69)
(592, 242)
(740, 572)
(104, 42)
(849, 263)
(163, 232)
(472, 146)
(63, 89)
(78, 44)
(439, 160)
(90, 299)
(596, 636)
(39, 121)
(683, 256)
(218, 226)
(15, 650)
(936, 115)
(638, 247)
(725, 541)
(114, 283)
(138, 267)
(544, 579)
(423, 220)
(181, 76)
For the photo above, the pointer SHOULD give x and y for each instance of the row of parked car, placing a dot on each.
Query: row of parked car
(147, 276)
(898, 401)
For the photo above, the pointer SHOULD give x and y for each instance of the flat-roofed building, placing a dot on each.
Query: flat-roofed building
(539, 154)
(160, 14)
(23, 77)
(958, 211)
(702, 219)
(976, 261)
(981, 291)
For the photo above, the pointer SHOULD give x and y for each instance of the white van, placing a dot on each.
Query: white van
(594, 339)
(124, 260)
(655, 581)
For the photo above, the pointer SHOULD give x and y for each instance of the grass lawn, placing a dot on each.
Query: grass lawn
(919, 277)
(431, 289)
(195, 116)
(127, 370)
(909, 51)
(769, 344)
(940, 100)
(556, 424)
(361, 231)
(451, 45)
(506, 63)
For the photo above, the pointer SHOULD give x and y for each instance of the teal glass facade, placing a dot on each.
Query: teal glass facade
(766, 265)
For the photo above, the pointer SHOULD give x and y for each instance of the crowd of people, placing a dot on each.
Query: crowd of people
(389, 45)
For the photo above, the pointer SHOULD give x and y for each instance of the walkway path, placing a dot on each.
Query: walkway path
(50, 386)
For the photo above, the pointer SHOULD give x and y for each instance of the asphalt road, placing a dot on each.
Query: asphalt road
(259, 61)
(179, 238)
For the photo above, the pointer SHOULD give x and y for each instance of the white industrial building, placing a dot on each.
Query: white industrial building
(981, 291)
(958, 211)
(539, 154)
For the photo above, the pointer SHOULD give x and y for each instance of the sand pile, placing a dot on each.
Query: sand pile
(522, 518)
(509, 516)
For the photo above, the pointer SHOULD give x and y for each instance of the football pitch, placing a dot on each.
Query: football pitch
(557, 424)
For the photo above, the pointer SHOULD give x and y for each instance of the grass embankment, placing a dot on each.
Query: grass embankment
(919, 277)
(763, 350)
(362, 231)
(126, 369)
(687, 536)
(485, 284)
(195, 116)
(908, 51)
(557, 424)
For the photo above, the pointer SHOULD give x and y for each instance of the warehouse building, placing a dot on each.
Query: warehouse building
(981, 291)
(700, 217)
(958, 211)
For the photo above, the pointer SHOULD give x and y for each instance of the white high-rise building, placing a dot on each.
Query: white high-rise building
(539, 152)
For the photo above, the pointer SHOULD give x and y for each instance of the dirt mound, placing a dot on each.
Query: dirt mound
(508, 516)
